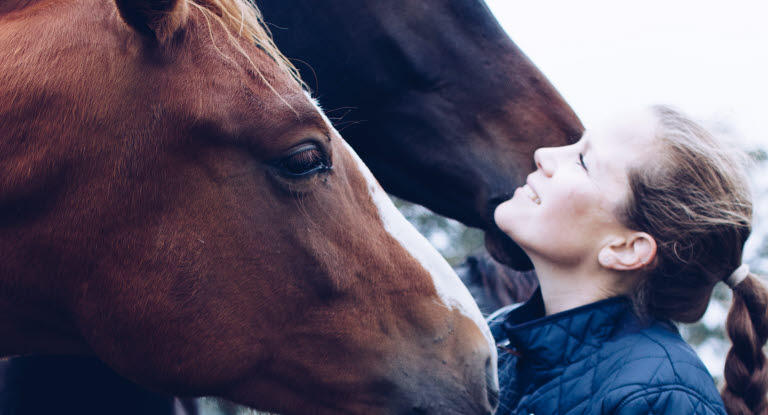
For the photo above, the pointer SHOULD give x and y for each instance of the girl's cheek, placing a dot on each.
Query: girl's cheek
(579, 201)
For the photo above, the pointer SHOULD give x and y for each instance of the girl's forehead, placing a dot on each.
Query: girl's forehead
(626, 127)
(624, 139)
(615, 146)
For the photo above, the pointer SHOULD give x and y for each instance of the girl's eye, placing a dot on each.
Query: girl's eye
(581, 161)
(304, 161)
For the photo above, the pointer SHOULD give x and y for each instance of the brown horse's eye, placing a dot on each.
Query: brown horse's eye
(303, 162)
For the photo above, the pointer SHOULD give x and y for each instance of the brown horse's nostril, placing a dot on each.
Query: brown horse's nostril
(492, 384)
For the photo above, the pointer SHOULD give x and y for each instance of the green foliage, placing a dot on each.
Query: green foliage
(216, 406)
(759, 155)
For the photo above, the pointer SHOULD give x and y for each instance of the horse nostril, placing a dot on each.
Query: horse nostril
(492, 384)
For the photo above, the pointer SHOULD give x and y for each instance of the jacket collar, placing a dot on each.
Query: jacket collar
(563, 338)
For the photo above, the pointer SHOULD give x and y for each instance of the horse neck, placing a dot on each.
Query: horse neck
(394, 64)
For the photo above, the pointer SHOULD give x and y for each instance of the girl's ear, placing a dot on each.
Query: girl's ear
(634, 251)
(157, 19)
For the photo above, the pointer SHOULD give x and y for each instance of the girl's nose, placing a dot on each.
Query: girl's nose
(544, 161)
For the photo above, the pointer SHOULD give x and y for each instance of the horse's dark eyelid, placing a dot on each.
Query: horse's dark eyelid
(302, 149)
(304, 161)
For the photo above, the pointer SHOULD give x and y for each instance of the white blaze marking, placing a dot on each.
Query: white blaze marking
(449, 287)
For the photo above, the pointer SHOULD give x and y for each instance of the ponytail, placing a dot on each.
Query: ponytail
(692, 197)
(746, 371)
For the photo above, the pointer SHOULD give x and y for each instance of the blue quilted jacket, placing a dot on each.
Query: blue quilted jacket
(597, 359)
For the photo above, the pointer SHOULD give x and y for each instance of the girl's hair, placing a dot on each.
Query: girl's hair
(692, 197)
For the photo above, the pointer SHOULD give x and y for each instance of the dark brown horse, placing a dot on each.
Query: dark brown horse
(433, 95)
(173, 203)
(494, 285)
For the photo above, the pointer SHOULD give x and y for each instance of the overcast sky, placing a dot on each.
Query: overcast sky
(708, 58)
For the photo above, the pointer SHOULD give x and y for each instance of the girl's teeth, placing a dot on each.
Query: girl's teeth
(532, 195)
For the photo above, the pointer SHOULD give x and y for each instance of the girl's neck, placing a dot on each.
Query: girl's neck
(565, 288)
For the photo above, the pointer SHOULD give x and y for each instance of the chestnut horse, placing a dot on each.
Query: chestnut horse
(433, 95)
(173, 203)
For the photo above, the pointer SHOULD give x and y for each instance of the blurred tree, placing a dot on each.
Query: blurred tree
(452, 239)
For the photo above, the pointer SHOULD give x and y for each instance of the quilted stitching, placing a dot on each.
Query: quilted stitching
(666, 400)
(599, 360)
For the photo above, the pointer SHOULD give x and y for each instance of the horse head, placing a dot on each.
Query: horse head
(436, 98)
(172, 202)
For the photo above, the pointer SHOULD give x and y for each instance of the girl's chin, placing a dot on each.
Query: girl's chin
(508, 207)
(501, 212)
(505, 216)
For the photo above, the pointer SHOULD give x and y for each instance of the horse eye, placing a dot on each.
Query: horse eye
(303, 162)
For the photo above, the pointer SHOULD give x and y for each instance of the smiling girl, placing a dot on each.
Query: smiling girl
(629, 230)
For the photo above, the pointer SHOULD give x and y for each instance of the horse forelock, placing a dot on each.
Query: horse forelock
(242, 18)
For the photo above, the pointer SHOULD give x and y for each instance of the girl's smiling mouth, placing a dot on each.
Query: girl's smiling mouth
(531, 194)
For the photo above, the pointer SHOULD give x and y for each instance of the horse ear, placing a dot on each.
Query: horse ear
(158, 19)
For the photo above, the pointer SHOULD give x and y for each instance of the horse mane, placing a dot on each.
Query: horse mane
(242, 18)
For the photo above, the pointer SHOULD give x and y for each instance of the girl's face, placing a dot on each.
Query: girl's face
(567, 210)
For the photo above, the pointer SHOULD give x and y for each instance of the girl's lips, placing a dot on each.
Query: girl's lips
(531, 194)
